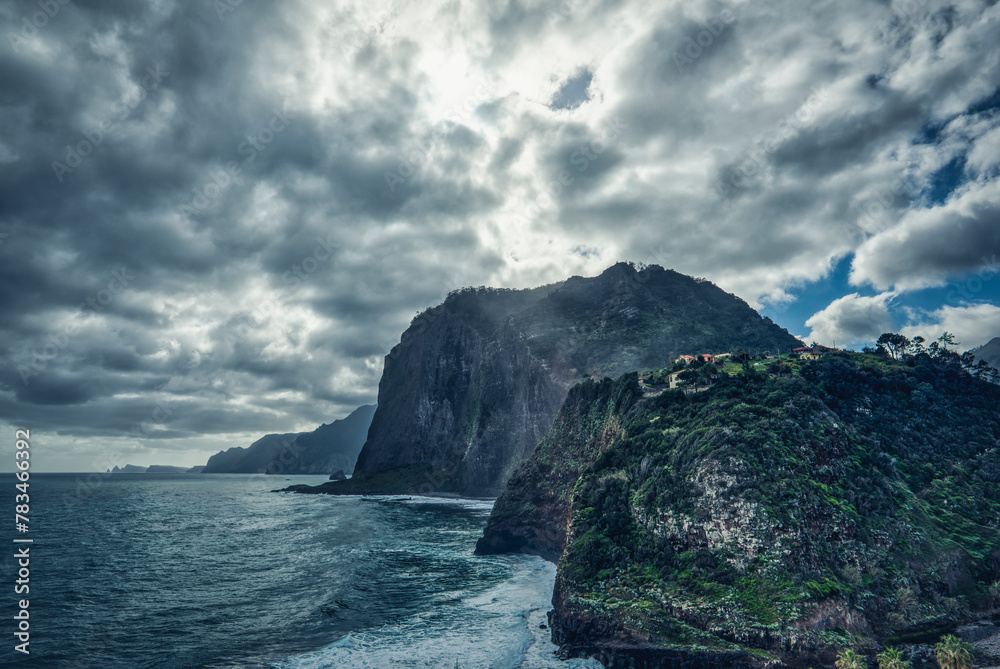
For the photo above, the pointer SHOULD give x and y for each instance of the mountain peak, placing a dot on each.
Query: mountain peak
(472, 387)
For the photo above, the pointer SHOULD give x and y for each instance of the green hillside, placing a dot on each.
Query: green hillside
(848, 501)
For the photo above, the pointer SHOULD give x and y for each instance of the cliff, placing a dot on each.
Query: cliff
(530, 516)
(324, 450)
(476, 382)
(849, 501)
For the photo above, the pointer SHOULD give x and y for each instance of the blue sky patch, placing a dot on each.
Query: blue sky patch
(574, 92)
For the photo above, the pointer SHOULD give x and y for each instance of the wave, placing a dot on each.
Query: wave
(500, 628)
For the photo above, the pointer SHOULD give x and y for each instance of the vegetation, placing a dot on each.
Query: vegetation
(848, 659)
(952, 653)
(628, 319)
(892, 658)
(859, 481)
(942, 350)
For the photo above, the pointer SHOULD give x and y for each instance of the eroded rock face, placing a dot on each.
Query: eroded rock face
(532, 514)
(767, 520)
(469, 401)
(476, 382)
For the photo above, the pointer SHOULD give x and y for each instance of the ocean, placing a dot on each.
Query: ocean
(212, 571)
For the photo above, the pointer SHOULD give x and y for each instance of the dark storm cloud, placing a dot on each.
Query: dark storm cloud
(281, 187)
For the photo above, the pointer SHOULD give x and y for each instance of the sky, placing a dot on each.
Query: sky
(216, 218)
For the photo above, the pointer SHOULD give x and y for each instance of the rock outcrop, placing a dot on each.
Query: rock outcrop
(476, 382)
(849, 501)
(530, 517)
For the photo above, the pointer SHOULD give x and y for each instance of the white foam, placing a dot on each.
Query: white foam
(497, 629)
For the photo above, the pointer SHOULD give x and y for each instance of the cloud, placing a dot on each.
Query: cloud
(290, 183)
(972, 325)
(928, 246)
(852, 319)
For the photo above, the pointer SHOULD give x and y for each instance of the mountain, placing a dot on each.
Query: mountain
(990, 352)
(850, 501)
(475, 383)
(153, 469)
(322, 451)
(128, 469)
(259, 457)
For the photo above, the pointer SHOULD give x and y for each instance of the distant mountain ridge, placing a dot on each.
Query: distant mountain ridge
(990, 352)
(328, 448)
(128, 469)
(154, 469)
(476, 382)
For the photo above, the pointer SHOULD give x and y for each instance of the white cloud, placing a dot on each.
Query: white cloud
(852, 319)
(972, 325)
(929, 245)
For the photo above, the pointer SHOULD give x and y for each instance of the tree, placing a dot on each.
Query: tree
(848, 659)
(947, 339)
(891, 658)
(896, 344)
(953, 653)
(687, 377)
(917, 345)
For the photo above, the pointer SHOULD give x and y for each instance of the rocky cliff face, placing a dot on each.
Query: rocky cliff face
(531, 515)
(326, 449)
(853, 502)
(475, 383)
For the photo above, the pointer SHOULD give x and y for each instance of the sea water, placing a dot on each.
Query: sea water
(212, 571)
